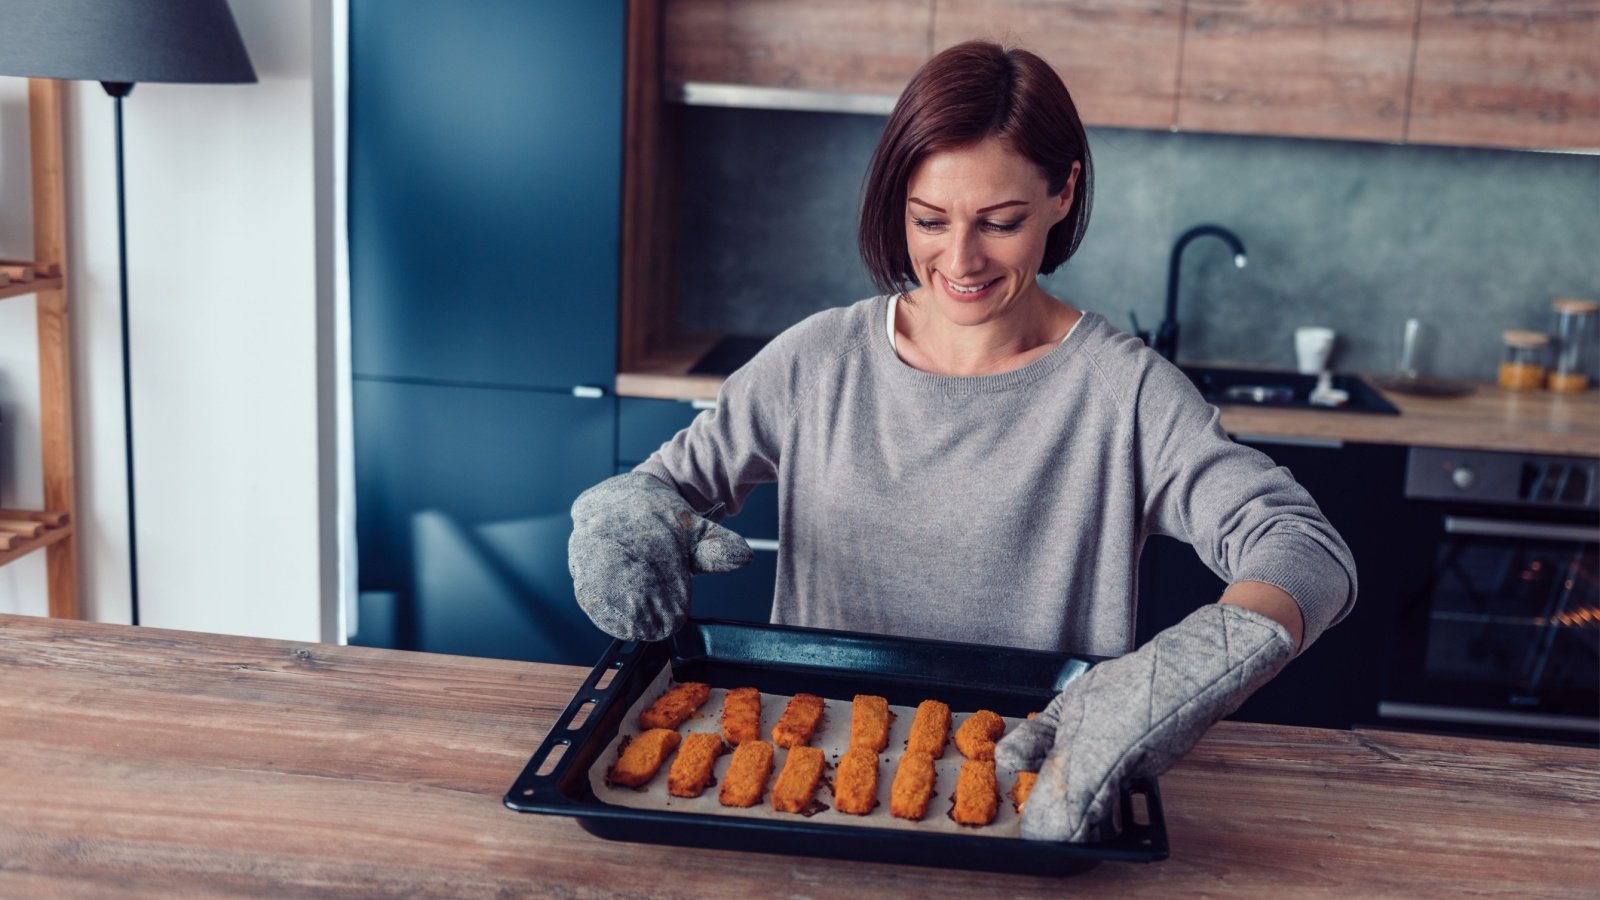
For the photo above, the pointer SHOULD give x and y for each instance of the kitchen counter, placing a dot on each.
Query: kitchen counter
(1490, 419)
(142, 762)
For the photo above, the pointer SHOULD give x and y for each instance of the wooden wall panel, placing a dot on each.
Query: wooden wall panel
(828, 45)
(1119, 58)
(1298, 68)
(1508, 73)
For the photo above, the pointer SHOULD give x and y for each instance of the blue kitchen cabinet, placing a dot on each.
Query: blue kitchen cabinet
(485, 190)
(464, 513)
(485, 169)
(746, 594)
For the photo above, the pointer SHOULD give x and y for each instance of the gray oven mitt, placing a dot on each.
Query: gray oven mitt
(1136, 715)
(635, 542)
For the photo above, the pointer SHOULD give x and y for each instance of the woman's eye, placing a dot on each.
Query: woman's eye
(926, 224)
(1003, 227)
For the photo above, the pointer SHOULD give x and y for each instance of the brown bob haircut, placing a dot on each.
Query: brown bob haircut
(965, 94)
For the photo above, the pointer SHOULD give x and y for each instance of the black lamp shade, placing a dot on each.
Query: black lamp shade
(133, 41)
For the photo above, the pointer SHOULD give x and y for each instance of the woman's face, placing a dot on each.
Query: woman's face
(976, 222)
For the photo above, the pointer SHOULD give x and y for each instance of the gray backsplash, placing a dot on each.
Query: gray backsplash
(1358, 237)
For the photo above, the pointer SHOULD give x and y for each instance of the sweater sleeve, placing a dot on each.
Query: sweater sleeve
(1246, 517)
(726, 451)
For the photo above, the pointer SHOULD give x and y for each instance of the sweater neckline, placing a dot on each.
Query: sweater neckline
(904, 373)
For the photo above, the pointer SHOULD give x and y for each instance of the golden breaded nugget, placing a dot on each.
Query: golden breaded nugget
(1020, 790)
(675, 706)
(797, 783)
(799, 721)
(691, 770)
(643, 757)
(912, 787)
(741, 716)
(748, 771)
(855, 783)
(977, 793)
(869, 722)
(976, 736)
(930, 729)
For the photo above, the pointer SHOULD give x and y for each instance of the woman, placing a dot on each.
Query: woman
(973, 459)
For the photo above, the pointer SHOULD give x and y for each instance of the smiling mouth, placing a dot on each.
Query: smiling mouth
(961, 290)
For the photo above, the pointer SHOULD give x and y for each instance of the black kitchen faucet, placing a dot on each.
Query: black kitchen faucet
(1166, 341)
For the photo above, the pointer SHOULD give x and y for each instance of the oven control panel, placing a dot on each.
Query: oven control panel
(1475, 476)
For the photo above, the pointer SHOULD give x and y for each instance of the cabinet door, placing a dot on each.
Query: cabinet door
(1301, 68)
(1119, 58)
(822, 45)
(1507, 73)
(463, 513)
(1337, 683)
(485, 173)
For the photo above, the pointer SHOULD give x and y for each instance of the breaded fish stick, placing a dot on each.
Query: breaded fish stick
(977, 793)
(675, 706)
(869, 722)
(799, 721)
(643, 757)
(741, 716)
(930, 729)
(912, 787)
(855, 784)
(976, 736)
(1020, 790)
(691, 770)
(748, 771)
(797, 783)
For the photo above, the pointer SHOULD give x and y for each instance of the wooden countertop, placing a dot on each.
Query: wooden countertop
(139, 762)
(1489, 419)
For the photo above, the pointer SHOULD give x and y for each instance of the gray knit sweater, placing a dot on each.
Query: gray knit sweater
(1003, 509)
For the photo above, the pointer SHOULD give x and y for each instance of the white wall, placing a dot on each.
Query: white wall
(231, 253)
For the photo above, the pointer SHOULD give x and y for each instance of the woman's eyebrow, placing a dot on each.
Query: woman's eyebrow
(986, 209)
(989, 209)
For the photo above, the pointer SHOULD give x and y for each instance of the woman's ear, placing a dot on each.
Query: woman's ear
(1065, 198)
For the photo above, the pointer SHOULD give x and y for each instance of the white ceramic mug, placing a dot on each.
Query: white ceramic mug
(1312, 348)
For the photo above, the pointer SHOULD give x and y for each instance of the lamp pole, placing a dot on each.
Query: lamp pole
(118, 90)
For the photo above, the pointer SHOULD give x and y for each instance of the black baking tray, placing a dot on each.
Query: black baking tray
(783, 660)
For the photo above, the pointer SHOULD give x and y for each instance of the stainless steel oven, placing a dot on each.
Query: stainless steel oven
(1503, 638)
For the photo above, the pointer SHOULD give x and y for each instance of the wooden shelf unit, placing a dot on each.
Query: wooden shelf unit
(56, 531)
(36, 286)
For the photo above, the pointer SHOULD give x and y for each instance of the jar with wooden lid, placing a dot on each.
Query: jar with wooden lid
(1522, 366)
(1575, 339)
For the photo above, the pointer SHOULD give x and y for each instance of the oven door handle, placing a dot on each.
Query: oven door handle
(1529, 530)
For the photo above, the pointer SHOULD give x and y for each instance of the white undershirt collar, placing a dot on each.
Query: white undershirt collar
(894, 303)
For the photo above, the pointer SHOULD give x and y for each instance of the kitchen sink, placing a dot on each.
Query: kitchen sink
(1266, 387)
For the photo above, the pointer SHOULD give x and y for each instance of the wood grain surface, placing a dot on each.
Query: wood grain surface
(1507, 73)
(828, 45)
(1119, 58)
(1297, 67)
(147, 763)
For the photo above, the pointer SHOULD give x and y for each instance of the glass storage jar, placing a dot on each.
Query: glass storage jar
(1522, 365)
(1575, 341)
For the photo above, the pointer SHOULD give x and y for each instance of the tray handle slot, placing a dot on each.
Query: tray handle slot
(546, 768)
(1144, 825)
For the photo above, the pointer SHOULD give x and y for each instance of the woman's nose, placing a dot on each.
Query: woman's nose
(966, 253)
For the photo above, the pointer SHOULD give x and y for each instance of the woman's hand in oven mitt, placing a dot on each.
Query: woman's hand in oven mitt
(635, 542)
(1136, 715)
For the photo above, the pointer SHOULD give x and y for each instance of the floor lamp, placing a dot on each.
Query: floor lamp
(120, 43)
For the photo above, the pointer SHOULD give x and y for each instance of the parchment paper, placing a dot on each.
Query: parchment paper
(833, 737)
